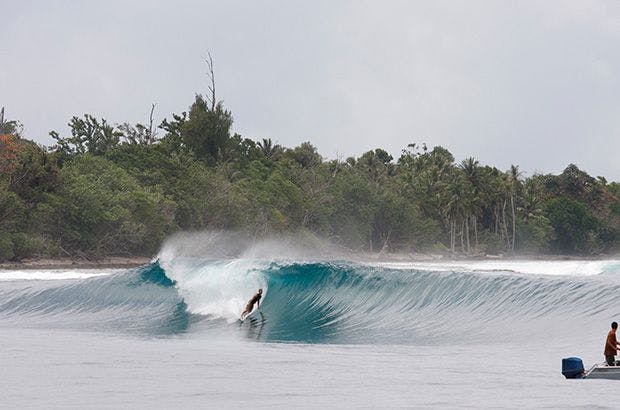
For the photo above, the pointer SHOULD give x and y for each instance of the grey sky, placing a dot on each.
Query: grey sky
(532, 83)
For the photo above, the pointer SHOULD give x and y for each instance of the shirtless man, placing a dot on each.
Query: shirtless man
(611, 345)
(250, 305)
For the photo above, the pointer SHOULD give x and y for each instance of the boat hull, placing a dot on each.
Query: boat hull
(603, 371)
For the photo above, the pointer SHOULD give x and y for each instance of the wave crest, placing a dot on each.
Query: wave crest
(322, 302)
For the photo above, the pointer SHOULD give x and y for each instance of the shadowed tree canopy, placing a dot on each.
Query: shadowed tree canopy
(207, 131)
(305, 155)
(573, 224)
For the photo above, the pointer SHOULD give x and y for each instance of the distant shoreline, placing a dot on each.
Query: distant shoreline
(137, 261)
(67, 263)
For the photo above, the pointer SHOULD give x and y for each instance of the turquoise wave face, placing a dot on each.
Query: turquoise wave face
(348, 303)
(137, 301)
(319, 302)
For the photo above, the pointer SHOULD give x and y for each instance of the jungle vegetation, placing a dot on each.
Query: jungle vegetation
(119, 189)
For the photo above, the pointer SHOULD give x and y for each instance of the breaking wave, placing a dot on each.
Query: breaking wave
(322, 301)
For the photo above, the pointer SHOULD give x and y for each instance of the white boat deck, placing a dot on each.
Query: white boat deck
(603, 371)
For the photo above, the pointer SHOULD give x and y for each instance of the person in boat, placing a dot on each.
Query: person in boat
(611, 345)
(250, 306)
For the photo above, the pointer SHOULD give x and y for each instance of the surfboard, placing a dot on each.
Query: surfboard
(241, 319)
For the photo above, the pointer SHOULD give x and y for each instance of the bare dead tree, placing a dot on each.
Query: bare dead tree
(9, 127)
(211, 97)
(152, 134)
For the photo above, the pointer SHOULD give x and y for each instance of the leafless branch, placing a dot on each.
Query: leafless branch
(211, 97)
(151, 135)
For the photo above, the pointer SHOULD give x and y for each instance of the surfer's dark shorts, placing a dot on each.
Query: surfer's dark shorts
(611, 360)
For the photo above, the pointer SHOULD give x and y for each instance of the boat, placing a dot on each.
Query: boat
(603, 371)
(572, 368)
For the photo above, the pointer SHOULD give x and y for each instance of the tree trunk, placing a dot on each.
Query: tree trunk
(467, 235)
(512, 206)
(476, 232)
(505, 226)
(462, 235)
(452, 235)
(385, 242)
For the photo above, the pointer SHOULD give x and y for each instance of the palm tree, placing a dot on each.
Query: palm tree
(268, 148)
(471, 168)
(457, 206)
(513, 183)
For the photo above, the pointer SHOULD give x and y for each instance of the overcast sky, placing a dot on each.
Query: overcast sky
(531, 83)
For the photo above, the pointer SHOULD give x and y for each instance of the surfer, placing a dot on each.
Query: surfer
(611, 345)
(251, 302)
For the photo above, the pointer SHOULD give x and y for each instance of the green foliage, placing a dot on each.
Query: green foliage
(614, 188)
(241, 151)
(140, 134)
(399, 225)
(152, 165)
(305, 155)
(35, 173)
(354, 210)
(207, 131)
(88, 135)
(535, 234)
(572, 222)
(274, 201)
(104, 209)
(268, 149)
(12, 208)
(6, 246)
(25, 245)
(8, 127)
(120, 190)
(205, 198)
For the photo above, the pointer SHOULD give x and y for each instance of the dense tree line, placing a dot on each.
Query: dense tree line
(119, 189)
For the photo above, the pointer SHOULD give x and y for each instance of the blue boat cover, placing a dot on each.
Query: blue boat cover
(572, 367)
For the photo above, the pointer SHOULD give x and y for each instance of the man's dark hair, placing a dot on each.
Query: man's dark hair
(614, 325)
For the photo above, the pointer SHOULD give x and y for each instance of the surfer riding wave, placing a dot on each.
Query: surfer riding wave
(250, 306)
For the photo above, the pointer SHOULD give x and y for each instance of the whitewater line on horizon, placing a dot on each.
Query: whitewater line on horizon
(526, 267)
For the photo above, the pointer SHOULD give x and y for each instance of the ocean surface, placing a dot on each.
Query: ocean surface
(330, 333)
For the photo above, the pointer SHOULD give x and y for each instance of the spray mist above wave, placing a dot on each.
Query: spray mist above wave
(218, 245)
(217, 272)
